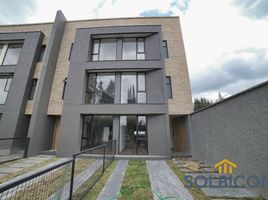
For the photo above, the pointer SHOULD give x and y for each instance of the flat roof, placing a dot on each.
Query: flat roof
(83, 20)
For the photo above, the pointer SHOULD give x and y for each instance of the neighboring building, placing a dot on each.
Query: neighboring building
(71, 85)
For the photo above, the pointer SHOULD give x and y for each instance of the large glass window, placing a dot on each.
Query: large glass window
(5, 81)
(97, 129)
(133, 88)
(133, 135)
(9, 54)
(100, 88)
(133, 49)
(104, 49)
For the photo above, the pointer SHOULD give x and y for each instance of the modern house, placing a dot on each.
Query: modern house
(71, 85)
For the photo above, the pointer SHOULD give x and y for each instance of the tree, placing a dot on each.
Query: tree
(202, 102)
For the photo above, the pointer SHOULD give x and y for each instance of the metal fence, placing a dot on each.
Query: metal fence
(99, 158)
(46, 184)
(13, 148)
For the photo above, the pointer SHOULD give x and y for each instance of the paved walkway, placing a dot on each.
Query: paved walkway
(113, 185)
(164, 182)
(19, 165)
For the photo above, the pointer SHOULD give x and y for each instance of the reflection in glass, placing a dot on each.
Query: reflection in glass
(142, 135)
(5, 82)
(141, 82)
(12, 54)
(141, 97)
(100, 89)
(107, 49)
(129, 49)
(140, 44)
(97, 130)
(128, 88)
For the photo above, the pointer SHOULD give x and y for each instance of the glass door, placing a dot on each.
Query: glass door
(133, 135)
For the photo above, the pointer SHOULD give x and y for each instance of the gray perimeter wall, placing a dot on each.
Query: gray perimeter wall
(235, 129)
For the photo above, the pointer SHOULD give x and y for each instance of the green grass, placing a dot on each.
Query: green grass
(94, 192)
(196, 193)
(136, 184)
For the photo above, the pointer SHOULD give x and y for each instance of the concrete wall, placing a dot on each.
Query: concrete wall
(14, 123)
(235, 129)
(42, 126)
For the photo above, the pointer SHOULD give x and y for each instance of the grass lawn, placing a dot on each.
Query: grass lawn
(196, 193)
(136, 184)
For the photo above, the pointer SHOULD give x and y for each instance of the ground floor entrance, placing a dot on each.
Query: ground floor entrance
(132, 138)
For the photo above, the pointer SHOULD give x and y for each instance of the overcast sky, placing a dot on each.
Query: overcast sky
(226, 41)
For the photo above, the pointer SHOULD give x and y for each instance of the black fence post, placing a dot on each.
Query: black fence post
(72, 179)
(103, 169)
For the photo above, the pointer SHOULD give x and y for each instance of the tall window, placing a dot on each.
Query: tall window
(104, 49)
(100, 88)
(133, 135)
(34, 84)
(169, 87)
(133, 88)
(9, 53)
(42, 52)
(5, 81)
(71, 50)
(97, 129)
(165, 49)
(64, 87)
(133, 49)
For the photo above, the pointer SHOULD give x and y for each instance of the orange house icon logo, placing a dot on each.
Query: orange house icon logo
(225, 166)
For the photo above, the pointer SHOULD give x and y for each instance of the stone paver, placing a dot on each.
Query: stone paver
(165, 182)
(228, 192)
(113, 185)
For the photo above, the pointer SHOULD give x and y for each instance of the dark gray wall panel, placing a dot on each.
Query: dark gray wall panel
(14, 123)
(157, 135)
(42, 126)
(236, 129)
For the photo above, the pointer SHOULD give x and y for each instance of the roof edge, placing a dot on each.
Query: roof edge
(233, 96)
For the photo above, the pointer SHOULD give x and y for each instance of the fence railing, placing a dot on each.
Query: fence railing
(46, 184)
(71, 179)
(103, 155)
(13, 148)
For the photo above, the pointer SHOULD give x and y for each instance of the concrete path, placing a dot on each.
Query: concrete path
(164, 182)
(10, 168)
(113, 185)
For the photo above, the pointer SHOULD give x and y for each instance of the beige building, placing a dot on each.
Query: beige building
(91, 81)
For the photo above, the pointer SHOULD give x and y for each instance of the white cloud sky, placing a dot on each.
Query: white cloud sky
(215, 32)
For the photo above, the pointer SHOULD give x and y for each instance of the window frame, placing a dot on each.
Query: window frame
(165, 48)
(33, 89)
(4, 51)
(95, 84)
(168, 79)
(137, 87)
(119, 48)
(8, 76)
